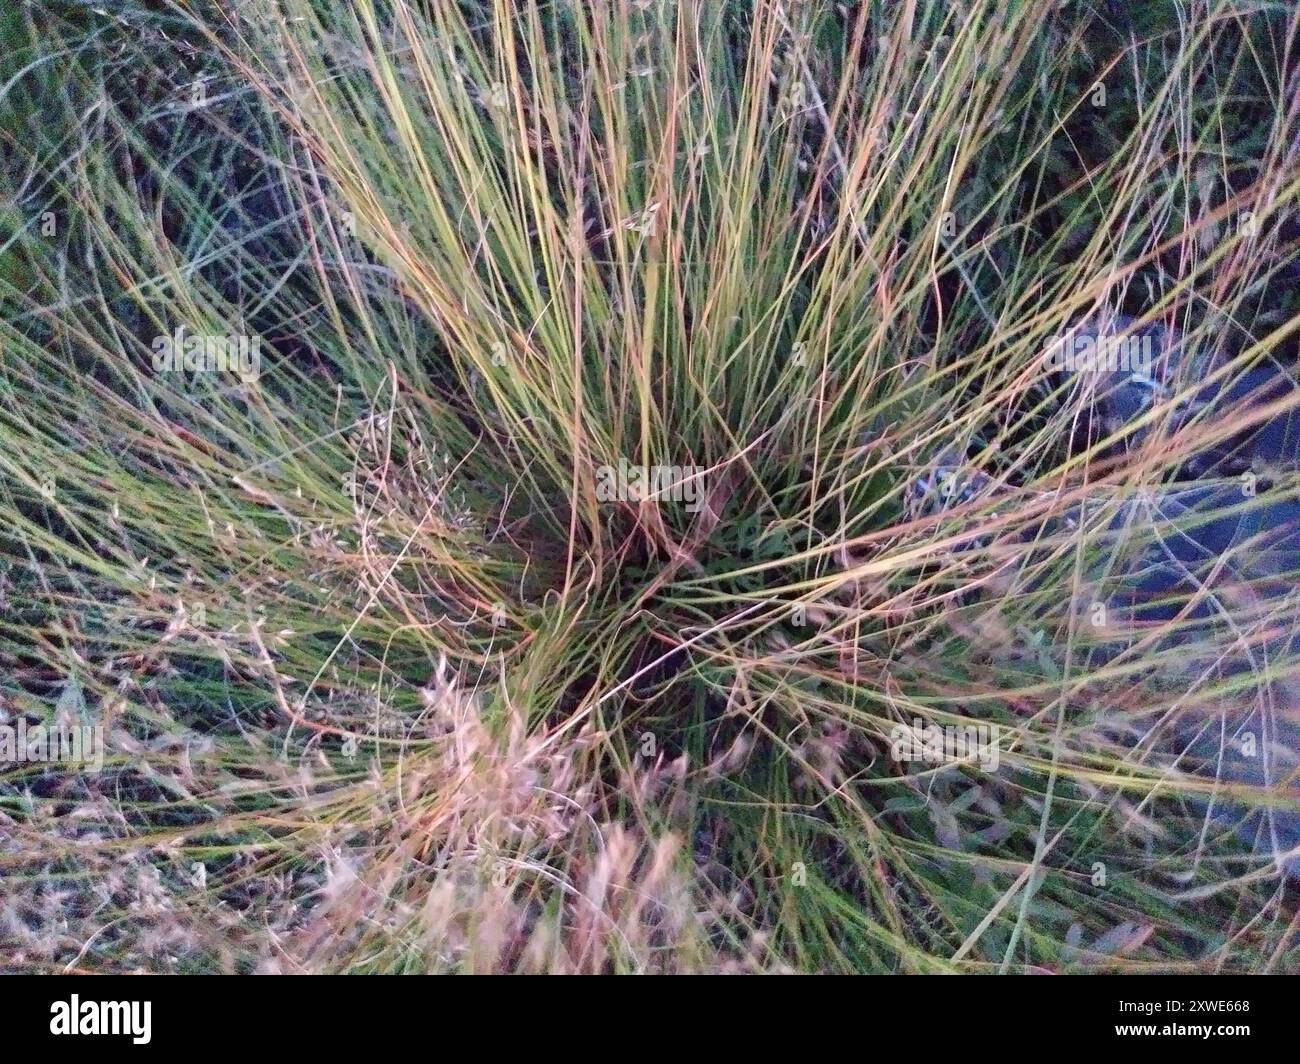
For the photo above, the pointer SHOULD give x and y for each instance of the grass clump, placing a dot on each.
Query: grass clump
(399, 671)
